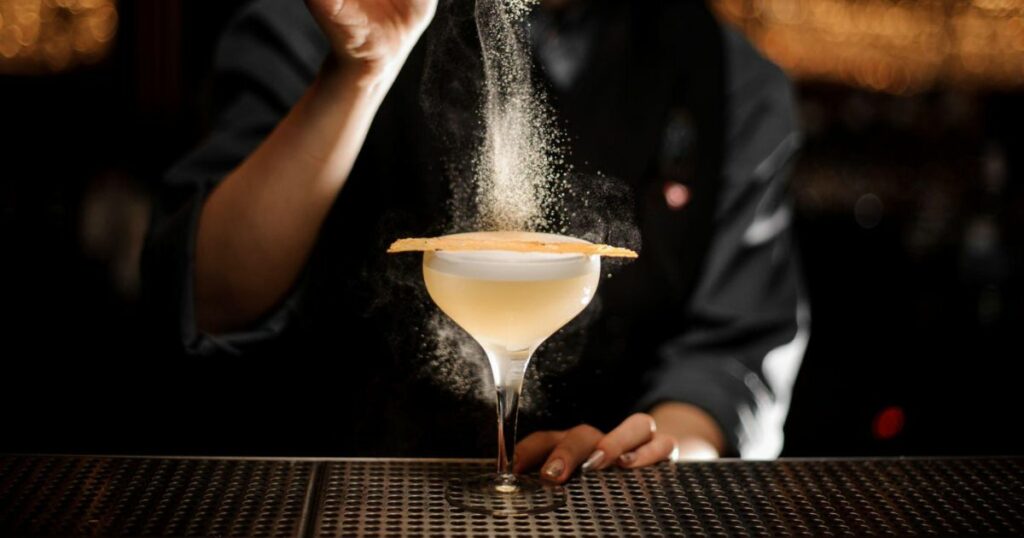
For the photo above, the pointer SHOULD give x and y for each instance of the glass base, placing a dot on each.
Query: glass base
(504, 495)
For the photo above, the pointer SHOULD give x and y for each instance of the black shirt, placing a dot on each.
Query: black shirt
(692, 120)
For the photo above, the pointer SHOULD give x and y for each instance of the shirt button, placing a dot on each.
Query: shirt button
(677, 195)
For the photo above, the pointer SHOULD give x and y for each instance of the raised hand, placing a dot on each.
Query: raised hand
(372, 37)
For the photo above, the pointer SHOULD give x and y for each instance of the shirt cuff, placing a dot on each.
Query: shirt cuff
(718, 391)
(173, 265)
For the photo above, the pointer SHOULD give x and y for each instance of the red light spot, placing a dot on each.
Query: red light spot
(677, 195)
(889, 422)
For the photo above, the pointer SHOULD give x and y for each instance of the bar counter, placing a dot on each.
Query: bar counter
(184, 496)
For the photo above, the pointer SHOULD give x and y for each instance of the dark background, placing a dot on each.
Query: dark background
(909, 213)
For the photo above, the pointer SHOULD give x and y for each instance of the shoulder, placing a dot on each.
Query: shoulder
(761, 111)
(275, 44)
(748, 72)
(265, 60)
(286, 21)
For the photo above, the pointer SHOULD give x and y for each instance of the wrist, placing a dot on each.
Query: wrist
(694, 449)
(693, 428)
(346, 74)
(372, 78)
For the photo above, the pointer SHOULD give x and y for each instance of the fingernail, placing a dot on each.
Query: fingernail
(594, 460)
(627, 458)
(554, 469)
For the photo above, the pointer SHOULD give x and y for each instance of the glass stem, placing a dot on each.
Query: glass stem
(508, 368)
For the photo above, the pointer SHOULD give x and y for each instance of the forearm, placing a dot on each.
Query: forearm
(697, 434)
(257, 228)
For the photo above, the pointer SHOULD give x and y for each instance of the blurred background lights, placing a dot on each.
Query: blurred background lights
(894, 46)
(676, 195)
(868, 211)
(889, 422)
(45, 36)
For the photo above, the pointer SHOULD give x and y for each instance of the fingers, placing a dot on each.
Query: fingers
(635, 431)
(634, 443)
(658, 449)
(570, 452)
(535, 448)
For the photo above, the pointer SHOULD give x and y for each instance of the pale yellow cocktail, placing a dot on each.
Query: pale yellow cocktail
(511, 301)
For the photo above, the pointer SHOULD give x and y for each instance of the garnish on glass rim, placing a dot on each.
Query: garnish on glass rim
(454, 243)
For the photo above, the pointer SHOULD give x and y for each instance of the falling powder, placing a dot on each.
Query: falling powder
(519, 167)
(515, 177)
(519, 8)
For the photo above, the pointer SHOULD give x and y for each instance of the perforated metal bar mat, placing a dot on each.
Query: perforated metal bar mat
(66, 496)
(62, 496)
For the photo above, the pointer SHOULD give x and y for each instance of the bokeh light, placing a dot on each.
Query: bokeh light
(889, 422)
(47, 36)
(677, 195)
(868, 211)
(893, 46)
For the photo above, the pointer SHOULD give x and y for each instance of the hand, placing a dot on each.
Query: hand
(634, 443)
(372, 37)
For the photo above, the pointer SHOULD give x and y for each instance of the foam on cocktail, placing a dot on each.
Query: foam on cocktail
(511, 266)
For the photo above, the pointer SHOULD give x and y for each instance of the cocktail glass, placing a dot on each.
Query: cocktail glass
(509, 302)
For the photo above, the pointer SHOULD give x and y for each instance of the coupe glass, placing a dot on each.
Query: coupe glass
(509, 302)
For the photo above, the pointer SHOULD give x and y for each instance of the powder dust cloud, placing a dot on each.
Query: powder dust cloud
(505, 160)
(520, 164)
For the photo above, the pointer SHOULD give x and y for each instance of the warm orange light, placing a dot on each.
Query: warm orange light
(893, 46)
(39, 36)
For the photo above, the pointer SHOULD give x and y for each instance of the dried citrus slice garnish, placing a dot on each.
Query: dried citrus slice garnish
(507, 241)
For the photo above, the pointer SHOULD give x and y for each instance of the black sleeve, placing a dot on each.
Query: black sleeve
(267, 58)
(748, 320)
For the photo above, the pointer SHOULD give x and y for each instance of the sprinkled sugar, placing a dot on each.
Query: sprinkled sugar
(519, 168)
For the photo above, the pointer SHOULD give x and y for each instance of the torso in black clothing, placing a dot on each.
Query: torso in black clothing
(354, 362)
